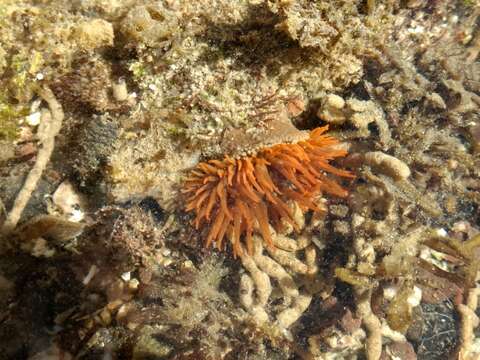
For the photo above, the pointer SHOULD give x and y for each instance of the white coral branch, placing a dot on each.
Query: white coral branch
(262, 267)
(371, 323)
(469, 321)
(50, 125)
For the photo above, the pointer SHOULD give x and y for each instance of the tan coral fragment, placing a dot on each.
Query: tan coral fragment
(469, 321)
(332, 109)
(387, 164)
(371, 323)
(261, 268)
(94, 34)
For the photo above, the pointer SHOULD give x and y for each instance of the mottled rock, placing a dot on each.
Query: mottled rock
(398, 350)
(149, 24)
(94, 34)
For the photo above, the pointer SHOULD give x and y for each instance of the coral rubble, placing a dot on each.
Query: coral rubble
(122, 122)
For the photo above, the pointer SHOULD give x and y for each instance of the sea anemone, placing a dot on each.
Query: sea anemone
(235, 197)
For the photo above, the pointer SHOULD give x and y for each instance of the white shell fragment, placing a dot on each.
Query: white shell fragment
(33, 119)
(69, 201)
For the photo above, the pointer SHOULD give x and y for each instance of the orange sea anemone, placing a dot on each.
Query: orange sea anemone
(235, 197)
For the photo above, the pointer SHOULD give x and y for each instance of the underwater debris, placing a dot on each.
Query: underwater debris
(419, 281)
(38, 235)
(342, 338)
(129, 238)
(467, 269)
(235, 195)
(149, 89)
(185, 307)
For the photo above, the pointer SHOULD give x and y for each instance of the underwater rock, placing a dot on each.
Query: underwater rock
(69, 201)
(149, 24)
(149, 344)
(93, 34)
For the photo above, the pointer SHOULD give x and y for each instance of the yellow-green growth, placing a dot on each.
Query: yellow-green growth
(9, 116)
(24, 67)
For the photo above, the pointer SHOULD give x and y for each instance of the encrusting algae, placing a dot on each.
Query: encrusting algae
(235, 196)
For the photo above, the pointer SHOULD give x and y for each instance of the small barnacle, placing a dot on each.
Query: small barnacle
(235, 197)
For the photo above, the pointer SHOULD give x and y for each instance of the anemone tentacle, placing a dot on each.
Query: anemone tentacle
(234, 198)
